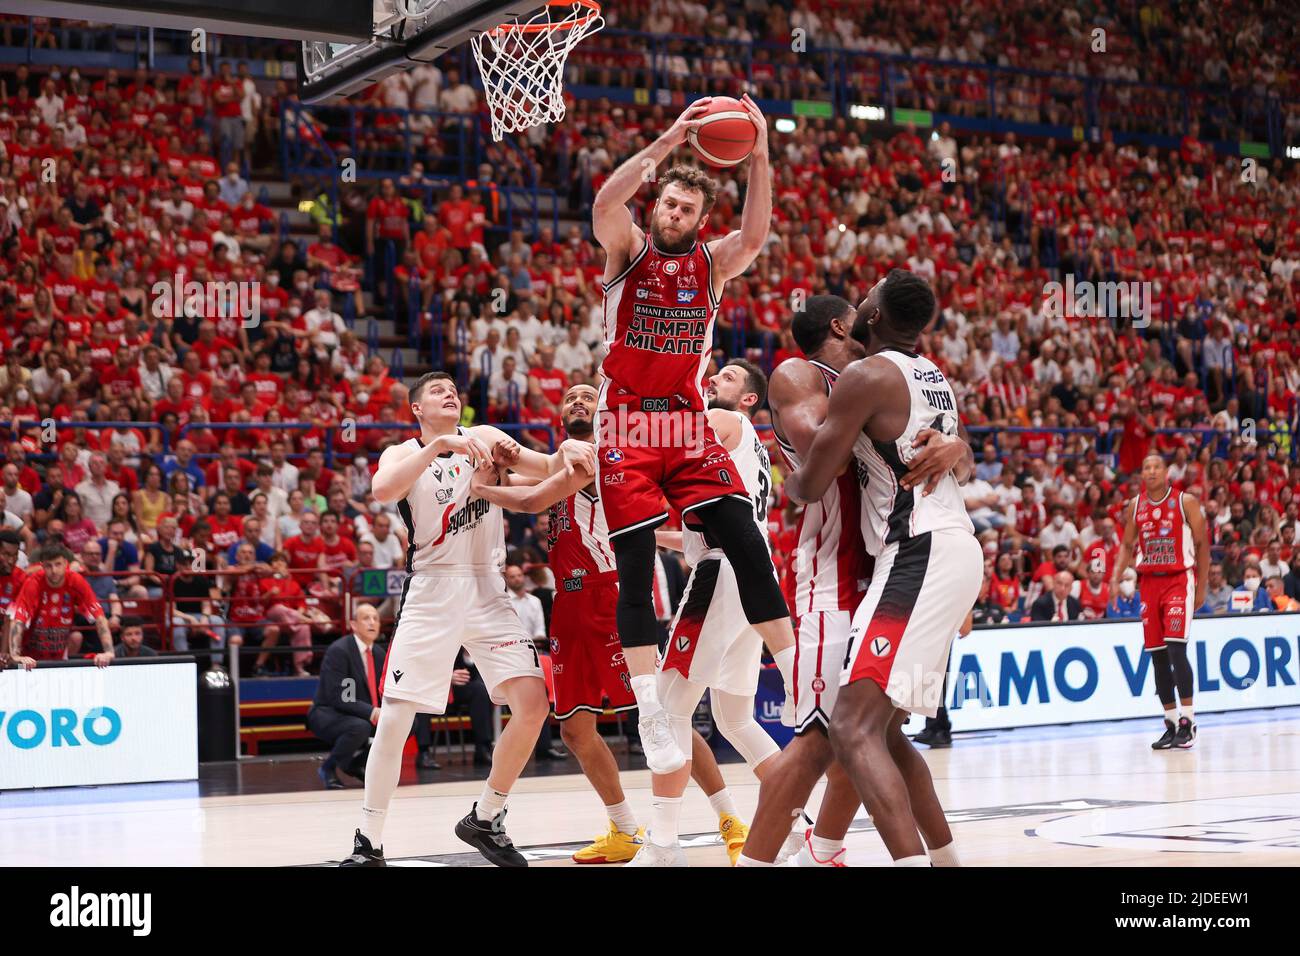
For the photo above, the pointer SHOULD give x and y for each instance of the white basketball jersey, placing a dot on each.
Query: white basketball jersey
(447, 529)
(751, 461)
(889, 512)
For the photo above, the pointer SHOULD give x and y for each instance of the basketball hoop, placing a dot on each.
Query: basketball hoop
(522, 64)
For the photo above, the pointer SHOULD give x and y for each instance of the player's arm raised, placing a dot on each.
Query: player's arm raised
(736, 251)
(853, 402)
(611, 222)
(529, 499)
(1125, 556)
(400, 466)
(1201, 537)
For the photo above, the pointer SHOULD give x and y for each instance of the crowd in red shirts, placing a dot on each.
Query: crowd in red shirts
(140, 202)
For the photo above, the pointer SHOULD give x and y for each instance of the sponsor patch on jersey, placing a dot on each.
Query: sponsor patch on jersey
(643, 293)
(613, 478)
(613, 456)
(688, 281)
(685, 296)
(880, 646)
(444, 495)
(671, 266)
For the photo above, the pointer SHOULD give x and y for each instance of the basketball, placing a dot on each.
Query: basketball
(727, 135)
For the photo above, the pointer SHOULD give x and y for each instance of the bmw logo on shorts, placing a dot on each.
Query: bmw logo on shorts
(613, 456)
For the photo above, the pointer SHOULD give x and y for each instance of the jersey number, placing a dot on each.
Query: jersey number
(760, 499)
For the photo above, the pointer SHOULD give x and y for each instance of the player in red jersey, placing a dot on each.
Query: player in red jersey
(587, 661)
(661, 299)
(1168, 529)
(43, 612)
(11, 582)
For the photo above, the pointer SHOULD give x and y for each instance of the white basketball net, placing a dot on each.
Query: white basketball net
(522, 63)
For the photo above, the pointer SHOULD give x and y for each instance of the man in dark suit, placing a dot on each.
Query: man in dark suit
(346, 707)
(1058, 604)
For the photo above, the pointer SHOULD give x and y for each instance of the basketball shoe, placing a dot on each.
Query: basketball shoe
(1166, 740)
(652, 855)
(1185, 737)
(806, 857)
(794, 842)
(734, 832)
(363, 854)
(662, 755)
(612, 847)
(489, 838)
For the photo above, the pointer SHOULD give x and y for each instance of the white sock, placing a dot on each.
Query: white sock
(921, 860)
(785, 664)
(721, 802)
(824, 849)
(747, 861)
(646, 690)
(664, 812)
(372, 825)
(620, 814)
(945, 855)
(1171, 715)
(1188, 712)
(490, 803)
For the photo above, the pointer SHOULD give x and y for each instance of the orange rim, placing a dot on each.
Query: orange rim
(517, 27)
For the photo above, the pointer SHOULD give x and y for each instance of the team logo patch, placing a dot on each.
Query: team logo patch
(685, 296)
(1156, 513)
(670, 267)
(880, 646)
(555, 645)
(613, 456)
(818, 685)
(683, 643)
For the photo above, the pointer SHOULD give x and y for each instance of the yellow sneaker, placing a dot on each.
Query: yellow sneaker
(734, 832)
(612, 847)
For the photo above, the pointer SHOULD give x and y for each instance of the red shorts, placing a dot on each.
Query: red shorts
(1166, 607)
(649, 449)
(587, 663)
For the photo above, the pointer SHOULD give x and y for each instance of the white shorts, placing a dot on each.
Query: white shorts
(820, 641)
(920, 593)
(440, 615)
(710, 642)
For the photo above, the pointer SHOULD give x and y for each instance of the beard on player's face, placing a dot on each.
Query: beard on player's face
(578, 427)
(673, 243)
(715, 400)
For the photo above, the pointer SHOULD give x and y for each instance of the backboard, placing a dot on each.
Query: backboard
(403, 32)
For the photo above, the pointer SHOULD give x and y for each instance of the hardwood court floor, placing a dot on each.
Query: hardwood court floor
(1086, 795)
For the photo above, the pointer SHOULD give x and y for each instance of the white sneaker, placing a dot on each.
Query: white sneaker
(651, 854)
(795, 842)
(662, 755)
(806, 857)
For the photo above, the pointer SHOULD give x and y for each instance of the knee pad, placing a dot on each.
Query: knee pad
(734, 716)
(1164, 675)
(730, 522)
(634, 554)
(1182, 668)
(679, 697)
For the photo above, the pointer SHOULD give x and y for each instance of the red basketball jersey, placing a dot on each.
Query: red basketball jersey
(578, 541)
(658, 321)
(1164, 540)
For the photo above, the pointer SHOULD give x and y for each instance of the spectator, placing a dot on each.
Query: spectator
(981, 502)
(389, 552)
(1058, 604)
(1250, 596)
(1218, 593)
(132, 643)
(1278, 598)
(96, 493)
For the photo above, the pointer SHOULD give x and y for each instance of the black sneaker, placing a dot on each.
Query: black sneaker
(363, 854)
(490, 838)
(934, 738)
(1166, 741)
(1186, 735)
